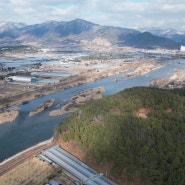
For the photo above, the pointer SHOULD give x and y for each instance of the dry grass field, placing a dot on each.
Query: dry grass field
(31, 172)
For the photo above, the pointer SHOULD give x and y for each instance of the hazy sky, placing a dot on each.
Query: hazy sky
(123, 13)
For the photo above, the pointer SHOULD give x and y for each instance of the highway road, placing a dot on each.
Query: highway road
(83, 172)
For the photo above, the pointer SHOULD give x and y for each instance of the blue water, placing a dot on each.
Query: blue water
(27, 131)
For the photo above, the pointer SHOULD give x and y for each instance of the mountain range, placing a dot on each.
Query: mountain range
(178, 36)
(80, 33)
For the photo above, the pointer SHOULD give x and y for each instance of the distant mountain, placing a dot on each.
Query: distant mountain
(39, 30)
(7, 26)
(9, 31)
(80, 34)
(148, 41)
(76, 27)
(175, 35)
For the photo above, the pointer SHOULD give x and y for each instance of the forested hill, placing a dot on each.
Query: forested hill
(139, 131)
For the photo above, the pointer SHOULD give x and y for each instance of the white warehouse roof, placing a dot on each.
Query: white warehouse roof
(21, 78)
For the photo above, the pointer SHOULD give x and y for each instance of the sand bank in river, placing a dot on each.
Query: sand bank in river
(177, 80)
(42, 107)
(78, 100)
(178, 75)
(8, 116)
(143, 69)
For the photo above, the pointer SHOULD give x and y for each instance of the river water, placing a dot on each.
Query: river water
(27, 131)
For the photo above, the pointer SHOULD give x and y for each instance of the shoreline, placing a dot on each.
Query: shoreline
(26, 150)
(17, 159)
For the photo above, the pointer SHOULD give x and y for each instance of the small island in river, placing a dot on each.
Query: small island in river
(8, 116)
(78, 100)
(42, 107)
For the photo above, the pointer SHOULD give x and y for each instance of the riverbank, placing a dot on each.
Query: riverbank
(24, 168)
(29, 151)
(176, 80)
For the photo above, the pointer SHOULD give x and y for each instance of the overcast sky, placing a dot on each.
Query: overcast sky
(123, 13)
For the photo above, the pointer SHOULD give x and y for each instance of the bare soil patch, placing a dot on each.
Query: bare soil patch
(169, 110)
(142, 112)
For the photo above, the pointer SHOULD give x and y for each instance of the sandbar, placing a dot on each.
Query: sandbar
(42, 107)
(78, 100)
(8, 116)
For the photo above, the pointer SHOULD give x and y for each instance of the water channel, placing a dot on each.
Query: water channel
(27, 131)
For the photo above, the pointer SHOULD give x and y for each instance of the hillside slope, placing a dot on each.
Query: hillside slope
(175, 35)
(139, 133)
(148, 41)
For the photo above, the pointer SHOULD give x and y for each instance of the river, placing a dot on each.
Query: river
(27, 131)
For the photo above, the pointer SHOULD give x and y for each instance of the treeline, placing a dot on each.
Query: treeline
(150, 147)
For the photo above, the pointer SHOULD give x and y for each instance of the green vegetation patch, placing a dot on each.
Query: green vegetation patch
(151, 147)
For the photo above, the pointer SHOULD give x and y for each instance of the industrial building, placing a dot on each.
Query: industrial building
(22, 79)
